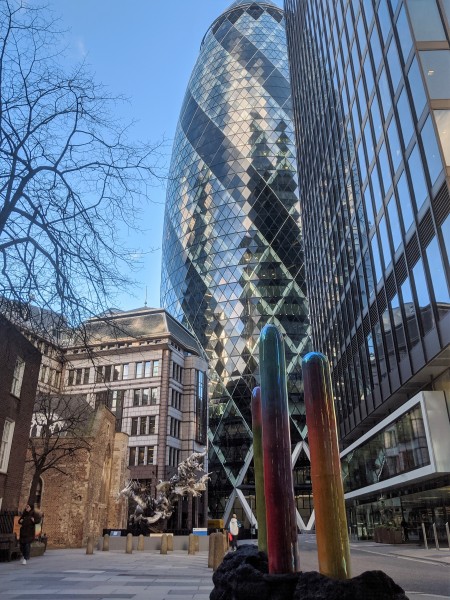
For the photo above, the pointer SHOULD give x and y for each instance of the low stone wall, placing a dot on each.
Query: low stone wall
(153, 543)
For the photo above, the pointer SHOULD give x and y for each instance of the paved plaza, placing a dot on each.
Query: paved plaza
(71, 574)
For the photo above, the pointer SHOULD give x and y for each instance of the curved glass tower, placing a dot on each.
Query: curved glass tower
(232, 249)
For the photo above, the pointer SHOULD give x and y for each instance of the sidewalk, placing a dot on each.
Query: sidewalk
(71, 574)
(409, 550)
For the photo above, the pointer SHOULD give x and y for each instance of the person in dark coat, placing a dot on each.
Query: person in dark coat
(27, 532)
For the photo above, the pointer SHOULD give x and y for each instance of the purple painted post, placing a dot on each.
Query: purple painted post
(331, 522)
(258, 468)
(276, 441)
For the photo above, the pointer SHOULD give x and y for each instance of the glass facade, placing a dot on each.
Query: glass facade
(232, 248)
(371, 95)
(372, 155)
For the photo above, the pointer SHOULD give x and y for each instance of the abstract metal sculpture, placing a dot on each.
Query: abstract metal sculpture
(331, 522)
(281, 523)
(150, 513)
(259, 469)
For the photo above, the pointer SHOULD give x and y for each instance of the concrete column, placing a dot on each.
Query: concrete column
(90, 544)
(129, 544)
(140, 545)
(105, 542)
(163, 544)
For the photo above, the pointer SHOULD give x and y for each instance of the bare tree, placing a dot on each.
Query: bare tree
(60, 431)
(68, 176)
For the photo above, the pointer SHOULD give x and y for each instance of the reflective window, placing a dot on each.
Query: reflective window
(362, 161)
(369, 142)
(385, 93)
(369, 75)
(355, 119)
(394, 223)
(394, 145)
(384, 241)
(426, 20)
(406, 209)
(394, 64)
(431, 150)
(415, 81)
(440, 287)
(404, 34)
(369, 209)
(442, 118)
(368, 12)
(423, 298)
(436, 68)
(361, 34)
(400, 339)
(375, 47)
(410, 313)
(385, 168)
(384, 18)
(417, 177)
(376, 258)
(404, 114)
(445, 228)
(398, 448)
(376, 119)
(446, 5)
(378, 198)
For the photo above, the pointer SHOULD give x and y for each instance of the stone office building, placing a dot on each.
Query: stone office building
(151, 373)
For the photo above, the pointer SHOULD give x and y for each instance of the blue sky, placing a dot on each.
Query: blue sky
(145, 51)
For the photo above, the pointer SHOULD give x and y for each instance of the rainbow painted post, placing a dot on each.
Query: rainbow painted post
(281, 524)
(328, 492)
(258, 468)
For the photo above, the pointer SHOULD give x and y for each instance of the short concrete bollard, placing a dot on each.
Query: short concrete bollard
(191, 546)
(105, 546)
(213, 539)
(163, 544)
(226, 541)
(129, 546)
(140, 545)
(90, 545)
(170, 543)
(219, 552)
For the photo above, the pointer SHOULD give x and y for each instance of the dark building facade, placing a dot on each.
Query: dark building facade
(371, 89)
(19, 369)
(232, 249)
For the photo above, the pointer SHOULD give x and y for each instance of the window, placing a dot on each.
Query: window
(125, 371)
(173, 456)
(116, 373)
(86, 376)
(144, 397)
(98, 374)
(151, 425)
(143, 426)
(132, 458)
(155, 368)
(141, 455)
(134, 425)
(147, 368)
(154, 395)
(150, 454)
(139, 370)
(19, 369)
(431, 150)
(43, 376)
(108, 369)
(136, 397)
(79, 375)
(6, 443)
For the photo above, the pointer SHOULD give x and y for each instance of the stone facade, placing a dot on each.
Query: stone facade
(83, 501)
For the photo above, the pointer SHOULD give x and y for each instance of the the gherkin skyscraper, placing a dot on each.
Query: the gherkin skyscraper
(232, 249)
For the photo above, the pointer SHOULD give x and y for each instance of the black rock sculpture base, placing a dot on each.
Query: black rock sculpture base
(243, 575)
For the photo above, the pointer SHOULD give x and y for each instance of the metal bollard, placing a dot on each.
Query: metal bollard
(191, 544)
(90, 545)
(219, 552)
(211, 543)
(170, 542)
(163, 544)
(436, 542)
(105, 547)
(129, 545)
(424, 536)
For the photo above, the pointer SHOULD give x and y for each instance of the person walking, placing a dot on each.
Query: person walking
(234, 531)
(27, 532)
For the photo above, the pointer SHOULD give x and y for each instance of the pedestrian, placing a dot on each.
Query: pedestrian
(234, 531)
(27, 532)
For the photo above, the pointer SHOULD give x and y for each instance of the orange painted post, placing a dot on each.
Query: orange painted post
(331, 522)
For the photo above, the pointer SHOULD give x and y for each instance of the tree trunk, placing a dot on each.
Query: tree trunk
(34, 487)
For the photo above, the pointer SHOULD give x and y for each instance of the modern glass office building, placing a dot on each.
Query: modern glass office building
(232, 249)
(371, 89)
